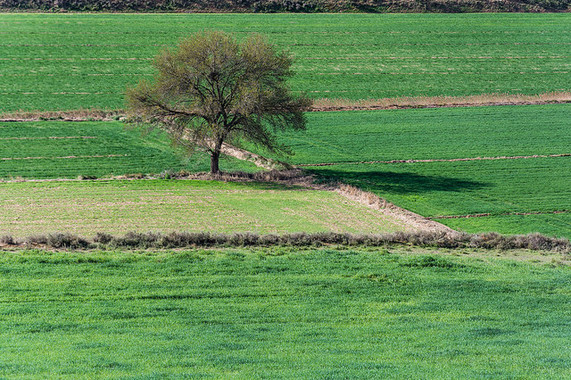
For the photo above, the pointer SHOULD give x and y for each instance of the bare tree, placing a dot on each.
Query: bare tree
(213, 89)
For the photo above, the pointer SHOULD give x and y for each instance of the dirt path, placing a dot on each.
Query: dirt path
(324, 105)
(436, 160)
(503, 214)
(408, 218)
(61, 158)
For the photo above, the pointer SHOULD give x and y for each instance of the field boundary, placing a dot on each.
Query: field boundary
(62, 157)
(375, 202)
(324, 105)
(437, 160)
(502, 214)
(153, 240)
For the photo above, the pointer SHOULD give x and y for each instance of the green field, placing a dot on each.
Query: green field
(71, 61)
(55, 149)
(499, 187)
(397, 312)
(88, 207)
(432, 189)
(437, 133)
(271, 313)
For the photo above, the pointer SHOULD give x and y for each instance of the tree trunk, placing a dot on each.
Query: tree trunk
(214, 158)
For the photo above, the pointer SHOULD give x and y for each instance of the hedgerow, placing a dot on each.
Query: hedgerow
(441, 6)
(156, 240)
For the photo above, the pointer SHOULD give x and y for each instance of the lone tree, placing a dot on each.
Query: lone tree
(213, 90)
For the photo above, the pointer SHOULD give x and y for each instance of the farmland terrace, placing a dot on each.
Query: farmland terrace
(474, 169)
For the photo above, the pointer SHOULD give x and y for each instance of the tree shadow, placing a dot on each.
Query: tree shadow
(399, 182)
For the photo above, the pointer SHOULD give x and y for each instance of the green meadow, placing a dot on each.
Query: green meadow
(71, 61)
(536, 185)
(56, 149)
(281, 313)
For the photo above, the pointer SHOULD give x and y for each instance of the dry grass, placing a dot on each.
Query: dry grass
(534, 242)
(440, 101)
(72, 115)
(325, 105)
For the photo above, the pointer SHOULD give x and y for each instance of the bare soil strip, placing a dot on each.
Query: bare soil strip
(49, 138)
(440, 101)
(322, 105)
(437, 160)
(409, 218)
(74, 115)
(503, 214)
(61, 158)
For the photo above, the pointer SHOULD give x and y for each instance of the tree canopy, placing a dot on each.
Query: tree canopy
(213, 89)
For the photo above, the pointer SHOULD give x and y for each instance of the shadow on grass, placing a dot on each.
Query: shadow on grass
(399, 183)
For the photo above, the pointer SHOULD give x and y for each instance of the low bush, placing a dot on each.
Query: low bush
(7, 239)
(491, 240)
(66, 240)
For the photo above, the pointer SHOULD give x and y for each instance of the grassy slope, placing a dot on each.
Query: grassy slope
(281, 314)
(158, 205)
(84, 60)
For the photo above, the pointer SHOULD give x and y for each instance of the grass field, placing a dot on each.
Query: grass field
(116, 206)
(432, 189)
(49, 149)
(438, 133)
(281, 314)
(71, 61)
(463, 188)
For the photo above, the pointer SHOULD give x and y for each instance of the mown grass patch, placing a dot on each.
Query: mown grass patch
(71, 61)
(281, 313)
(115, 206)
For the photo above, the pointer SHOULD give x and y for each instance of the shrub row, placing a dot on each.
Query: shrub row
(247, 239)
(449, 6)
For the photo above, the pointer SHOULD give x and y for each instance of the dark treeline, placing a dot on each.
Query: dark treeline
(374, 6)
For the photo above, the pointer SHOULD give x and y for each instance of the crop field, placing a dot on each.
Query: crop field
(286, 313)
(55, 149)
(72, 61)
(455, 189)
(534, 182)
(432, 134)
(88, 207)
(529, 172)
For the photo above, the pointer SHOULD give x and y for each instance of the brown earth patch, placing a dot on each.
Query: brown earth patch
(440, 101)
(323, 105)
(502, 214)
(438, 160)
(62, 157)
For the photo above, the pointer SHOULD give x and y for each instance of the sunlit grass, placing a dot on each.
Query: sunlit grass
(281, 313)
